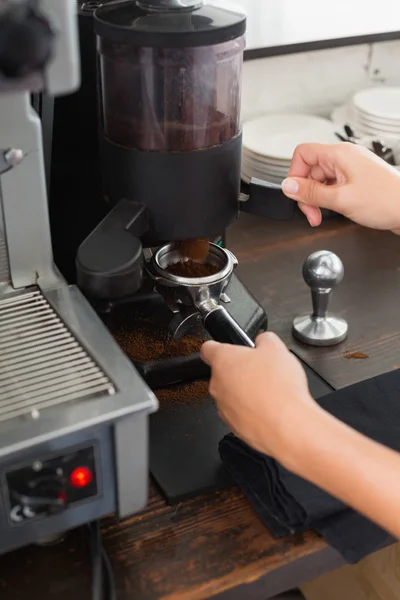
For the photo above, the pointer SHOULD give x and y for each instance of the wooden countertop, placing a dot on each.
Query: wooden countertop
(211, 545)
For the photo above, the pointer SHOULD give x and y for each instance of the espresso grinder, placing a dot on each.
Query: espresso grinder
(169, 82)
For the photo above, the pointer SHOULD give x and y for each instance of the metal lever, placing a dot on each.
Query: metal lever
(10, 158)
(38, 501)
(322, 271)
(266, 199)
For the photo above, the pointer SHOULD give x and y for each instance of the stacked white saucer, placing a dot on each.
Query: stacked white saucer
(371, 112)
(269, 142)
(377, 111)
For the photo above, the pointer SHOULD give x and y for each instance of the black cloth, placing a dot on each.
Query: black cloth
(288, 504)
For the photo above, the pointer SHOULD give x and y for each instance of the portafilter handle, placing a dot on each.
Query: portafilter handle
(222, 327)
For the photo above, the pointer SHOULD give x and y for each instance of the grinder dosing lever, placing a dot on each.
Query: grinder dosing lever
(201, 293)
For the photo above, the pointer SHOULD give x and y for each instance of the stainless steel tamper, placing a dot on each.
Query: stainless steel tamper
(322, 271)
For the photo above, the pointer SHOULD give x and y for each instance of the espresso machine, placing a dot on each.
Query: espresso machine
(73, 410)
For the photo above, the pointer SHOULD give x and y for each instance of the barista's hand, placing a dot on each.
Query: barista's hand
(362, 187)
(262, 394)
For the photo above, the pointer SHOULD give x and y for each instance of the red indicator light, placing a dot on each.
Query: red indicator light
(81, 477)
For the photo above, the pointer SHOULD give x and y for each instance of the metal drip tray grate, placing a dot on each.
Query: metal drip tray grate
(41, 362)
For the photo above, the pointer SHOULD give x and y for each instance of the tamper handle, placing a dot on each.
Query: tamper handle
(322, 271)
(320, 301)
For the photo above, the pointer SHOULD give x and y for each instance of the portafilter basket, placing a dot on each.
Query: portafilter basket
(204, 293)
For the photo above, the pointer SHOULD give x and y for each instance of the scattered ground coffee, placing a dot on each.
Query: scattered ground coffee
(148, 344)
(356, 355)
(195, 392)
(145, 344)
(143, 338)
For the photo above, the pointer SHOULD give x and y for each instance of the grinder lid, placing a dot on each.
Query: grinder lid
(205, 25)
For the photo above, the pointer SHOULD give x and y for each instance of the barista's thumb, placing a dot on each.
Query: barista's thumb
(311, 192)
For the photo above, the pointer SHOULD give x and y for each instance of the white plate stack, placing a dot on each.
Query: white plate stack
(377, 111)
(269, 143)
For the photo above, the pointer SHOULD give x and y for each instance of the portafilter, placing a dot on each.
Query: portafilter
(202, 293)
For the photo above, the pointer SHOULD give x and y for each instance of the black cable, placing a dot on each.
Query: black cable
(103, 581)
(108, 576)
(97, 562)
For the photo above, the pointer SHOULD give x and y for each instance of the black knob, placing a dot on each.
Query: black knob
(26, 41)
(44, 494)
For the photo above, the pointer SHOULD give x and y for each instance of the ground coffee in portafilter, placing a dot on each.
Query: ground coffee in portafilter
(192, 269)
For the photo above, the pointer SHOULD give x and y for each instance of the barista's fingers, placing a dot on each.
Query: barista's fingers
(308, 156)
(312, 192)
(317, 173)
(269, 340)
(209, 352)
(313, 214)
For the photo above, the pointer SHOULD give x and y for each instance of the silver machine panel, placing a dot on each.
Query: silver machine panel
(71, 403)
(4, 266)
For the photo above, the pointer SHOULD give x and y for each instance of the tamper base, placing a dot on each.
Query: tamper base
(313, 331)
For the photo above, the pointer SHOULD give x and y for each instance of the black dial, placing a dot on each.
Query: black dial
(26, 40)
(49, 485)
(42, 494)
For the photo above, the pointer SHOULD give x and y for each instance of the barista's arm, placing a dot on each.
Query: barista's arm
(349, 466)
(263, 396)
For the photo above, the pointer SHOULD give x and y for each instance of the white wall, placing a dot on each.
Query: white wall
(281, 22)
(316, 82)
